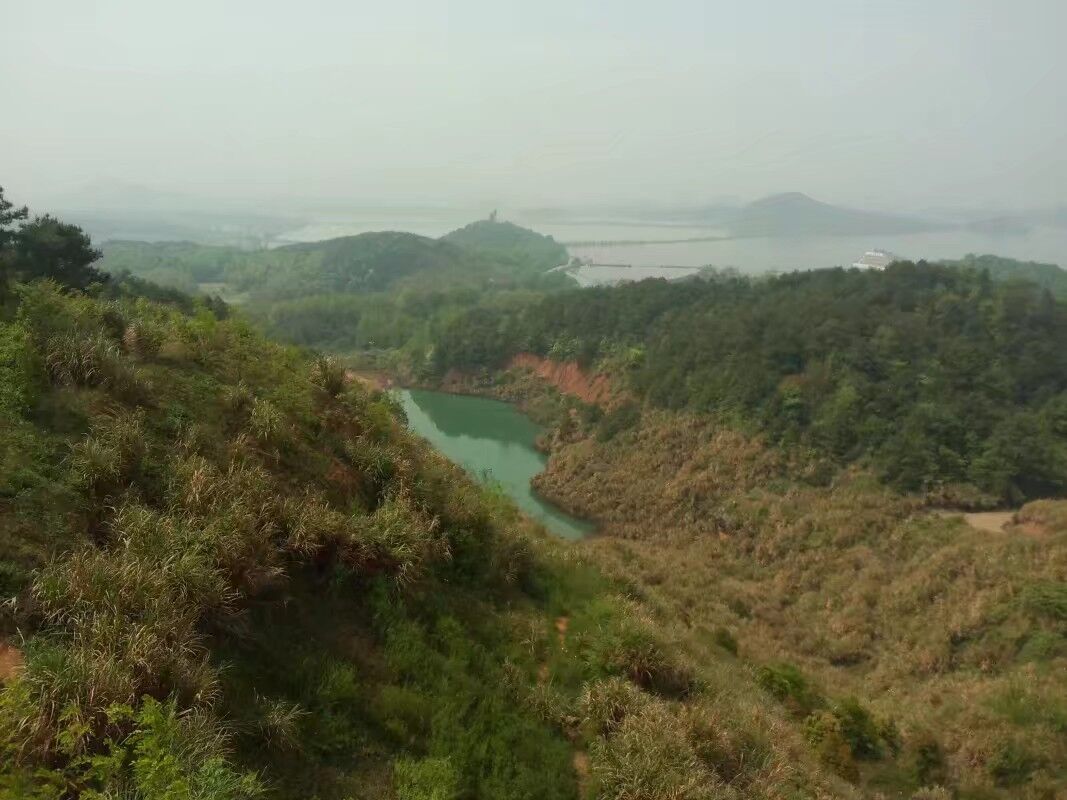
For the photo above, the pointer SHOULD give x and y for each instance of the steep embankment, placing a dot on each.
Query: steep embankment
(568, 378)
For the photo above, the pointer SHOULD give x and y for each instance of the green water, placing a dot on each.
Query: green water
(491, 440)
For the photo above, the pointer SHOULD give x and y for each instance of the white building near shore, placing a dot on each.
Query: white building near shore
(875, 259)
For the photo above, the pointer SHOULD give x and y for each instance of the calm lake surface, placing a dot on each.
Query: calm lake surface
(786, 254)
(754, 255)
(491, 440)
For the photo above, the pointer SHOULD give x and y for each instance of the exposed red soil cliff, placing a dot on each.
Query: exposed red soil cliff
(568, 377)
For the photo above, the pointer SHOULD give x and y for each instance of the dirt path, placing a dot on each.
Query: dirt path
(989, 521)
(580, 759)
(580, 762)
(11, 662)
(371, 379)
(562, 623)
(992, 521)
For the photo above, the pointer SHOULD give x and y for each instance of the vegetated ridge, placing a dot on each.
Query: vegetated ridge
(762, 475)
(232, 573)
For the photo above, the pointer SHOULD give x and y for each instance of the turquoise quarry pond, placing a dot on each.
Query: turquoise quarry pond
(491, 440)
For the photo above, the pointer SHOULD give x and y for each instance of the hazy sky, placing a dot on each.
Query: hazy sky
(892, 104)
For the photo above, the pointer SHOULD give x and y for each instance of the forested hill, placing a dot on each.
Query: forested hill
(796, 214)
(509, 241)
(485, 251)
(365, 263)
(1050, 276)
(936, 375)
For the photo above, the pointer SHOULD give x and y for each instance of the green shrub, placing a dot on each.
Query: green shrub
(19, 385)
(604, 704)
(266, 423)
(182, 757)
(328, 374)
(1012, 763)
(788, 684)
(1047, 599)
(628, 647)
(403, 711)
(826, 735)
(725, 639)
(621, 418)
(1043, 646)
(866, 738)
(425, 779)
(929, 760)
(650, 758)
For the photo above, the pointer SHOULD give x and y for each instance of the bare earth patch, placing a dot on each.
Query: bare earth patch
(11, 662)
(369, 378)
(989, 521)
(562, 623)
(581, 769)
(992, 521)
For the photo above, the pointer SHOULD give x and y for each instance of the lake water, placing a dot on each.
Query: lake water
(785, 254)
(491, 440)
(754, 254)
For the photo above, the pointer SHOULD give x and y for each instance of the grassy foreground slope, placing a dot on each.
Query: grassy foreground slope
(232, 574)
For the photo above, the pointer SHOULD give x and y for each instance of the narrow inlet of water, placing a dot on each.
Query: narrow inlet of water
(491, 440)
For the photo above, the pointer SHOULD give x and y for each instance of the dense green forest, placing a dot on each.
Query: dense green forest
(937, 375)
(375, 291)
(1049, 276)
(481, 254)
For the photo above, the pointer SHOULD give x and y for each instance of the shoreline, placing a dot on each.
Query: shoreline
(596, 527)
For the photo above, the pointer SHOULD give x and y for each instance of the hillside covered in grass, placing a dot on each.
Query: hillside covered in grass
(913, 647)
(230, 573)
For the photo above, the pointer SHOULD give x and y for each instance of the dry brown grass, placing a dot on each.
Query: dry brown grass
(923, 617)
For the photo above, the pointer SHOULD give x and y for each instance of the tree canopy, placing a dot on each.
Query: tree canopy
(935, 374)
(45, 247)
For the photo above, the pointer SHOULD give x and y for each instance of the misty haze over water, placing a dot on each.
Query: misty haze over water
(271, 109)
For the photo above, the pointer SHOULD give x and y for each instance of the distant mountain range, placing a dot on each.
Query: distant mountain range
(110, 210)
(796, 214)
